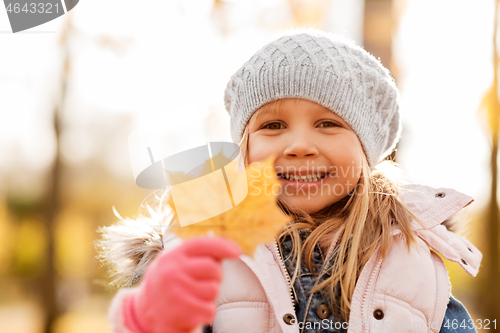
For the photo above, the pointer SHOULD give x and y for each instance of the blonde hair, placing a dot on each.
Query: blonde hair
(364, 221)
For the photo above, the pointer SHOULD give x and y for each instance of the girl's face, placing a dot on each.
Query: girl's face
(307, 139)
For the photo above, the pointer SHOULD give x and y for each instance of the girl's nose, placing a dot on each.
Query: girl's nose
(301, 147)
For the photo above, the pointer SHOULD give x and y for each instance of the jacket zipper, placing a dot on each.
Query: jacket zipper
(369, 287)
(285, 273)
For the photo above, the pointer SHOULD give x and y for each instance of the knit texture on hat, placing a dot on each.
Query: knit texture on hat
(329, 70)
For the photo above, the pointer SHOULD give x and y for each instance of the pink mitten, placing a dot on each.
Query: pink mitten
(179, 289)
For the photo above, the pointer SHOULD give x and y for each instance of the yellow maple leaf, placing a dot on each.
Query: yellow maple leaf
(255, 220)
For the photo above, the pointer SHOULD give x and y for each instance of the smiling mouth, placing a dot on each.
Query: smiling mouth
(316, 177)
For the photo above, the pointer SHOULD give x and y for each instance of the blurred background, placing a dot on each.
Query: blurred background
(72, 91)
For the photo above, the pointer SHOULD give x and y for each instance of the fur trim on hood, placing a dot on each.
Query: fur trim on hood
(130, 245)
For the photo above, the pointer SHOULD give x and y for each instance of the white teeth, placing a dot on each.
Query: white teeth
(306, 178)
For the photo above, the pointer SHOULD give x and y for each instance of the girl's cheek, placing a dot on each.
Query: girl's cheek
(251, 150)
(258, 151)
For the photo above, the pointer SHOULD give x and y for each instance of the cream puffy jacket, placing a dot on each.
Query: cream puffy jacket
(409, 290)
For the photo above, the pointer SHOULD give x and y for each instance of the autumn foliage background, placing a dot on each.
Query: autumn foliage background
(72, 90)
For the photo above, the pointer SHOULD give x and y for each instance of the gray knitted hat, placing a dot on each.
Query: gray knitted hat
(329, 70)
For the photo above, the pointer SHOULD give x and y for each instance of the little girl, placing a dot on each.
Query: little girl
(361, 252)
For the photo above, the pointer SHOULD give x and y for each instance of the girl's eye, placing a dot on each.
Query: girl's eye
(273, 125)
(329, 124)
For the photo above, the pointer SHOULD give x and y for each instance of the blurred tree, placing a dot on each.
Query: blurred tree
(378, 26)
(490, 110)
(52, 202)
(219, 16)
(308, 13)
(377, 30)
